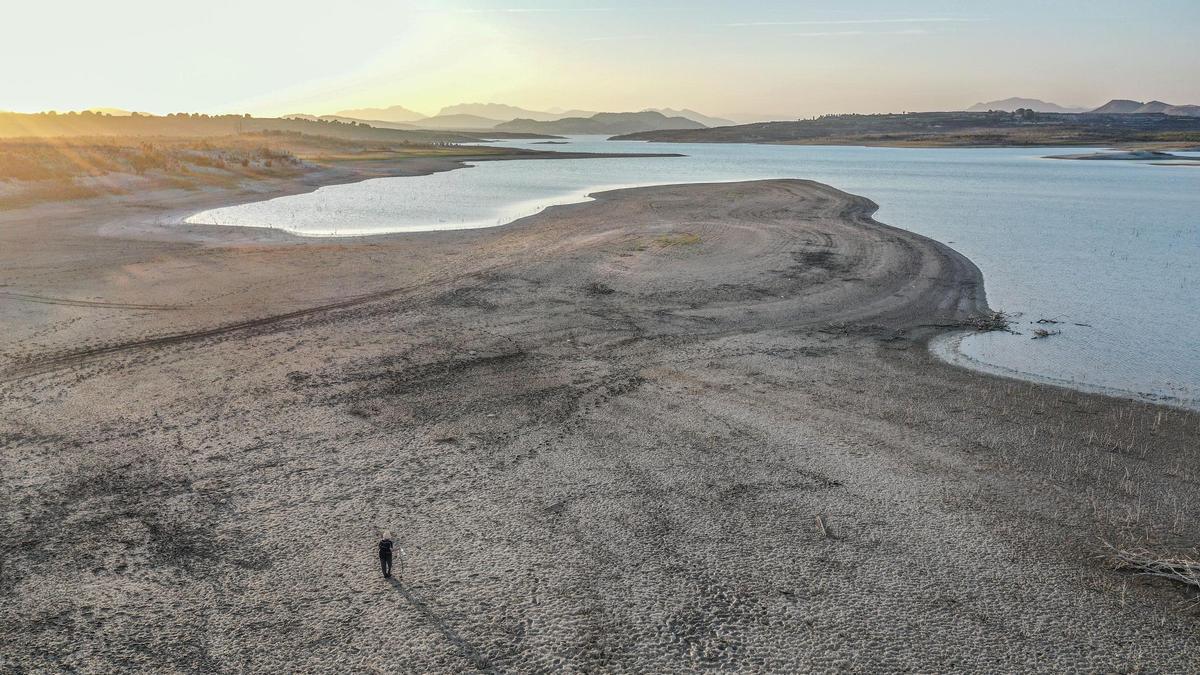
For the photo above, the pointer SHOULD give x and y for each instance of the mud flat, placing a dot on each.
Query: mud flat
(675, 428)
(1129, 156)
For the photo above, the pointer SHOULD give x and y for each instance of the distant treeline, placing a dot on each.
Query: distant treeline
(20, 125)
(997, 128)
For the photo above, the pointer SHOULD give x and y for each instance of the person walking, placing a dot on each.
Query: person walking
(385, 554)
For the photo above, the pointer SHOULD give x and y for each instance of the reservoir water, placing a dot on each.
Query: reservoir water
(1109, 249)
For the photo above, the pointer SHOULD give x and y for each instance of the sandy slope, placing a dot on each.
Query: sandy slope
(603, 434)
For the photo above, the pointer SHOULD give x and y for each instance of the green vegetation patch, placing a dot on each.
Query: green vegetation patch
(678, 239)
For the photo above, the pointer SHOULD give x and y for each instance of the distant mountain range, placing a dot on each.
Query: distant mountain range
(458, 121)
(947, 129)
(706, 120)
(1016, 103)
(503, 113)
(603, 123)
(1121, 106)
(1117, 106)
(487, 116)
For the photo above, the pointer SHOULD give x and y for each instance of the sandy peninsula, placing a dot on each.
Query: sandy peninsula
(1130, 156)
(676, 428)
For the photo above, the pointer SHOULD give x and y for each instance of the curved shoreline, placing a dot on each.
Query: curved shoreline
(509, 214)
(176, 226)
(946, 347)
(606, 433)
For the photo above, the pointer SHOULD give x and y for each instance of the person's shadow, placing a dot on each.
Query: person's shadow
(469, 651)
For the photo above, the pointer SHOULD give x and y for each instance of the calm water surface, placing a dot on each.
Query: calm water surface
(1115, 245)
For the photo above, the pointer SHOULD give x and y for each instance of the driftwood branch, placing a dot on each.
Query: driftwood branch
(824, 529)
(989, 321)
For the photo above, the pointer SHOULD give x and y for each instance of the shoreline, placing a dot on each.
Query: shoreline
(613, 424)
(345, 174)
(176, 205)
(946, 348)
(174, 226)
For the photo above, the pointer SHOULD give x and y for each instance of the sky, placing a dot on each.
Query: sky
(746, 60)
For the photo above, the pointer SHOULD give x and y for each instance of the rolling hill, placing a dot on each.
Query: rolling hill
(1118, 106)
(1122, 106)
(1154, 107)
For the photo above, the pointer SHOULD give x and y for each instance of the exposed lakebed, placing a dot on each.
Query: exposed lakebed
(1108, 250)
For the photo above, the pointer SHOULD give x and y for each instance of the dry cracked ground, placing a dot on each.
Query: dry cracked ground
(678, 428)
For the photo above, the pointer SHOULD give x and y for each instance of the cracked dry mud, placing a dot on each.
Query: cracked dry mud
(602, 435)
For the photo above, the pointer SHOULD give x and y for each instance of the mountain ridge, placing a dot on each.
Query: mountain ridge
(1125, 106)
(488, 115)
(688, 113)
(458, 121)
(501, 112)
(394, 113)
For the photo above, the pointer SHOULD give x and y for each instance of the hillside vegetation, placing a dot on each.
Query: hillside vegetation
(16, 125)
(44, 169)
(1022, 128)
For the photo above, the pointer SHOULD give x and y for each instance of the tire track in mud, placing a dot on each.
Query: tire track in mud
(77, 357)
(70, 358)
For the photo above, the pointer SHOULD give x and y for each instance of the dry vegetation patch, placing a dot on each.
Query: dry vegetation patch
(1183, 568)
(34, 170)
(678, 239)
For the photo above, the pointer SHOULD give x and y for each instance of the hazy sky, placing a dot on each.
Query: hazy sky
(741, 59)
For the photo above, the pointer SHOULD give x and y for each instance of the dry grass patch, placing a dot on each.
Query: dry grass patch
(1184, 569)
